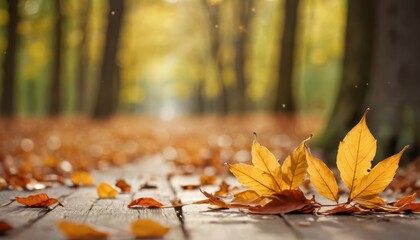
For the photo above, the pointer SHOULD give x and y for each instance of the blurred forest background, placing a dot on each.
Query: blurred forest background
(327, 59)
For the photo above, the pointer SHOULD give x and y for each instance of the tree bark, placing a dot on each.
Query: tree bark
(55, 87)
(393, 96)
(107, 99)
(284, 99)
(356, 74)
(9, 67)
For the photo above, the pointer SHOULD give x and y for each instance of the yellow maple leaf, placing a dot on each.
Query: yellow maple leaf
(146, 228)
(294, 168)
(263, 159)
(106, 191)
(82, 179)
(254, 178)
(373, 203)
(74, 230)
(322, 177)
(355, 154)
(378, 179)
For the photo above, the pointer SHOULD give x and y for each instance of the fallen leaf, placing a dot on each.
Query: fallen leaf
(342, 210)
(106, 191)
(285, 202)
(190, 187)
(82, 179)
(405, 200)
(147, 185)
(249, 197)
(146, 228)
(410, 208)
(263, 159)
(355, 154)
(378, 179)
(223, 189)
(255, 178)
(123, 185)
(207, 179)
(322, 177)
(5, 227)
(373, 203)
(17, 182)
(74, 230)
(37, 200)
(146, 202)
(294, 168)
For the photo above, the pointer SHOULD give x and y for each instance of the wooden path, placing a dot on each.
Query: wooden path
(188, 222)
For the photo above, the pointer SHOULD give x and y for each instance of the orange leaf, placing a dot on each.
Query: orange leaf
(342, 210)
(146, 202)
(284, 202)
(410, 207)
(82, 179)
(106, 191)
(223, 189)
(146, 228)
(5, 226)
(405, 200)
(373, 203)
(37, 200)
(123, 185)
(74, 230)
(207, 180)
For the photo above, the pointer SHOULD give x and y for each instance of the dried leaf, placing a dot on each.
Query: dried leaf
(373, 203)
(74, 230)
(255, 178)
(82, 179)
(190, 187)
(5, 227)
(146, 228)
(405, 200)
(207, 179)
(410, 207)
(263, 159)
(106, 191)
(322, 177)
(342, 210)
(294, 168)
(37, 200)
(146, 202)
(355, 154)
(223, 189)
(249, 197)
(123, 185)
(285, 202)
(378, 179)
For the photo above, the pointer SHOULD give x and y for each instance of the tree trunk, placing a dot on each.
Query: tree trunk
(107, 99)
(83, 58)
(357, 64)
(9, 67)
(55, 87)
(244, 14)
(393, 96)
(284, 99)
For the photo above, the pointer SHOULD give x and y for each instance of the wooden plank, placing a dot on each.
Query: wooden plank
(202, 223)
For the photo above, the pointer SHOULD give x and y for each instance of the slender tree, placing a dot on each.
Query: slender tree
(107, 99)
(9, 67)
(55, 86)
(284, 100)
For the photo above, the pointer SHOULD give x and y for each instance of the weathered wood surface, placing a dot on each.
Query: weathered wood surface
(188, 222)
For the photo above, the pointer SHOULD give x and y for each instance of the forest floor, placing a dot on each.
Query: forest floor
(171, 159)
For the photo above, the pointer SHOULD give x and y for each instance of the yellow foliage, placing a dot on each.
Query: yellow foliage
(106, 191)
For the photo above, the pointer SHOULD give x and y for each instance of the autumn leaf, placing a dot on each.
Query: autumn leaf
(237, 202)
(74, 230)
(322, 177)
(207, 179)
(263, 159)
(106, 191)
(373, 203)
(123, 185)
(343, 210)
(294, 168)
(146, 228)
(223, 189)
(355, 154)
(37, 200)
(378, 179)
(146, 202)
(82, 179)
(405, 200)
(5, 227)
(249, 197)
(254, 178)
(410, 207)
(190, 187)
(285, 202)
